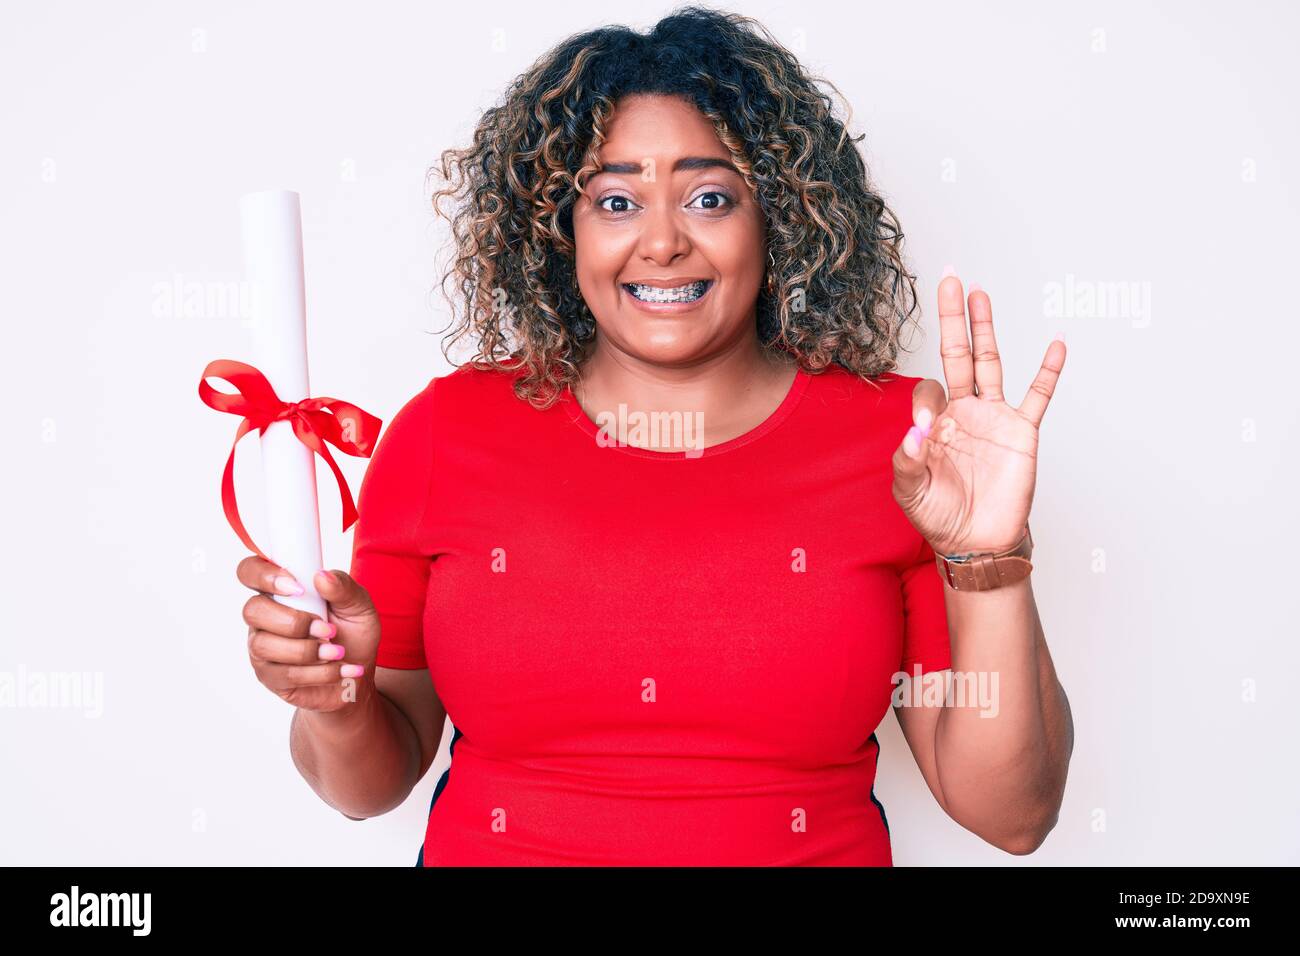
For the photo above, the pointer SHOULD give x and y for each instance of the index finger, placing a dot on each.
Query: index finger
(261, 575)
(954, 343)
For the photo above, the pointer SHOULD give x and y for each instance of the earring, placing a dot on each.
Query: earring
(771, 274)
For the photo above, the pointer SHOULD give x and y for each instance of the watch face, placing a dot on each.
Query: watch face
(1026, 543)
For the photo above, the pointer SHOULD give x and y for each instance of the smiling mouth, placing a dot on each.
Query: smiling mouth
(683, 293)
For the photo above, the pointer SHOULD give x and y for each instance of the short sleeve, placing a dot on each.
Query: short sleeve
(925, 625)
(391, 556)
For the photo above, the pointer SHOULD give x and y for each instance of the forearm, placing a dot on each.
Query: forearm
(363, 760)
(1002, 759)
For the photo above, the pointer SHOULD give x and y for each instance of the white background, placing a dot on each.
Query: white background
(1153, 144)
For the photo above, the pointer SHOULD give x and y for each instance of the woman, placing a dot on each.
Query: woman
(665, 546)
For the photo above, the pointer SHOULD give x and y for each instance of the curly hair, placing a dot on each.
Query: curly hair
(840, 292)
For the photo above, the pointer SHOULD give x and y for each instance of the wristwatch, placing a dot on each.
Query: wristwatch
(984, 571)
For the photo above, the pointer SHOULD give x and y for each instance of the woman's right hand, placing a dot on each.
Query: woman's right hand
(299, 657)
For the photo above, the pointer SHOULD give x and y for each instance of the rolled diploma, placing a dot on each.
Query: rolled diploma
(273, 263)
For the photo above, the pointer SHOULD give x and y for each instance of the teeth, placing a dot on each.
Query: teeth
(684, 293)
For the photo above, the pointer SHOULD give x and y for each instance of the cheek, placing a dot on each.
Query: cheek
(600, 256)
(735, 249)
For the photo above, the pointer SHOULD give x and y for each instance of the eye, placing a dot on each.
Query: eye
(716, 198)
(615, 198)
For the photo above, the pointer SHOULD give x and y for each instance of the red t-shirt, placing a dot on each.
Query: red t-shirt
(651, 658)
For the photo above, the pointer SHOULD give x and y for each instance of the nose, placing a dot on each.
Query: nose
(663, 239)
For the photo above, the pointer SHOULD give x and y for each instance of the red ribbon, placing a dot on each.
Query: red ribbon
(315, 421)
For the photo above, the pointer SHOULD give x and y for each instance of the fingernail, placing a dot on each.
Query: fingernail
(912, 442)
(976, 287)
(284, 584)
(948, 271)
(331, 652)
(1060, 336)
(323, 577)
(923, 419)
(352, 670)
(321, 628)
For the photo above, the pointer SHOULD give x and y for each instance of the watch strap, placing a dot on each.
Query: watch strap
(986, 571)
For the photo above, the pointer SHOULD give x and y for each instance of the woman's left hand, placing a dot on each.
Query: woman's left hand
(964, 473)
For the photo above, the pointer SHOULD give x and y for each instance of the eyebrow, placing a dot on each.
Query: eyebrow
(686, 163)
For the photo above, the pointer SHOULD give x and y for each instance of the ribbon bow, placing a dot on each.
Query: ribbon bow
(315, 421)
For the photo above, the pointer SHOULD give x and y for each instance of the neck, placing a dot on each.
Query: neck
(731, 390)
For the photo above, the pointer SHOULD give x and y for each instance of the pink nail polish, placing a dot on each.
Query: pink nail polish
(923, 419)
(284, 584)
(331, 652)
(352, 670)
(948, 271)
(1060, 336)
(323, 629)
(976, 287)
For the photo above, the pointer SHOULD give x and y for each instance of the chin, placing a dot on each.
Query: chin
(666, 347)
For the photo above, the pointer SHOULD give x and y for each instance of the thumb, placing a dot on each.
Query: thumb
(911, 474)
(349, 602)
